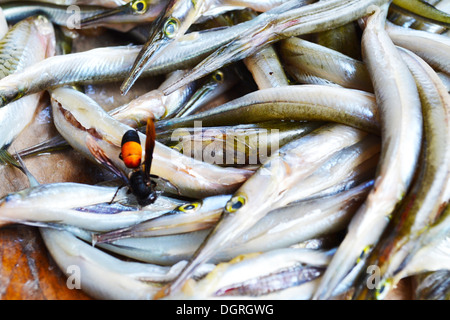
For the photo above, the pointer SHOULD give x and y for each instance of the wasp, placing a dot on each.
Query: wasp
(140, 182)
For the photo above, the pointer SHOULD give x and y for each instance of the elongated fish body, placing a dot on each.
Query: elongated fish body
(3, 24)
(253, 275)
(304, 58)
(58, 14)
(109, 64)
(28, 42)
(61, 195)
(239, 145)
(41, 205)
(188, 217)
(432, 285)
(295, 102)
(401, 134)
(429, 194)
(433, 48)
(102, 275)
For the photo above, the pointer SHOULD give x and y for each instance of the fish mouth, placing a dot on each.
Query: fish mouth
(233, 51)
(104, 15)
(149, 53)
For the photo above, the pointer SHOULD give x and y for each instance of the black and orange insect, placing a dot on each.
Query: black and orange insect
(139, 180)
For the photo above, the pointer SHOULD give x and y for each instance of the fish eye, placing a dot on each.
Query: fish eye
(383, 289)
(171, 27)
(189, 207)
(218, 76)
(235, 203)
(363, 254)
(139, 6)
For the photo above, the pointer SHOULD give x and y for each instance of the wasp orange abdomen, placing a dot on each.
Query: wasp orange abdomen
(131, 149)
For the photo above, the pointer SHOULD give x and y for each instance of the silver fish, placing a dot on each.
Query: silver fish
(188, 217)
(28, 42)
(304, 59)
(295, 102)
(254, 275)
(401, 134)
(433, 48)
(102, 275)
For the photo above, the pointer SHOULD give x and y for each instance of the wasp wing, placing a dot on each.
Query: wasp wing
(149, 146)
(102, 158)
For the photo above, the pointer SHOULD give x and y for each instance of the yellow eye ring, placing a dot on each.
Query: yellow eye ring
(139, 7)
(235, 203)
(171, 27)
(383, 289)
(218, 76)
(189, 207)
(363, 253)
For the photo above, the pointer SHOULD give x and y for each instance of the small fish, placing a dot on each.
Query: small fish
(237, 146)
(110, 64)
(188, 217)
(304, 60)
(105, 276)
(26, 43)
(401, 136)
(433, 48)
(428, 196)
(294, 102)
(424, 10)
(57, 14)
(258, 275)
(135, 11)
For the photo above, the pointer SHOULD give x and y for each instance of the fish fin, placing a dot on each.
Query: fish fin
(31, 179)
(56, 143)
(7, 158)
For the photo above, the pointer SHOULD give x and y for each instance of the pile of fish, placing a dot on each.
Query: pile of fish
(291, 150)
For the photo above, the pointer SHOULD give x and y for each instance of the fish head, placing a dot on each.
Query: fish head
(143, 9)
(165, 30)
